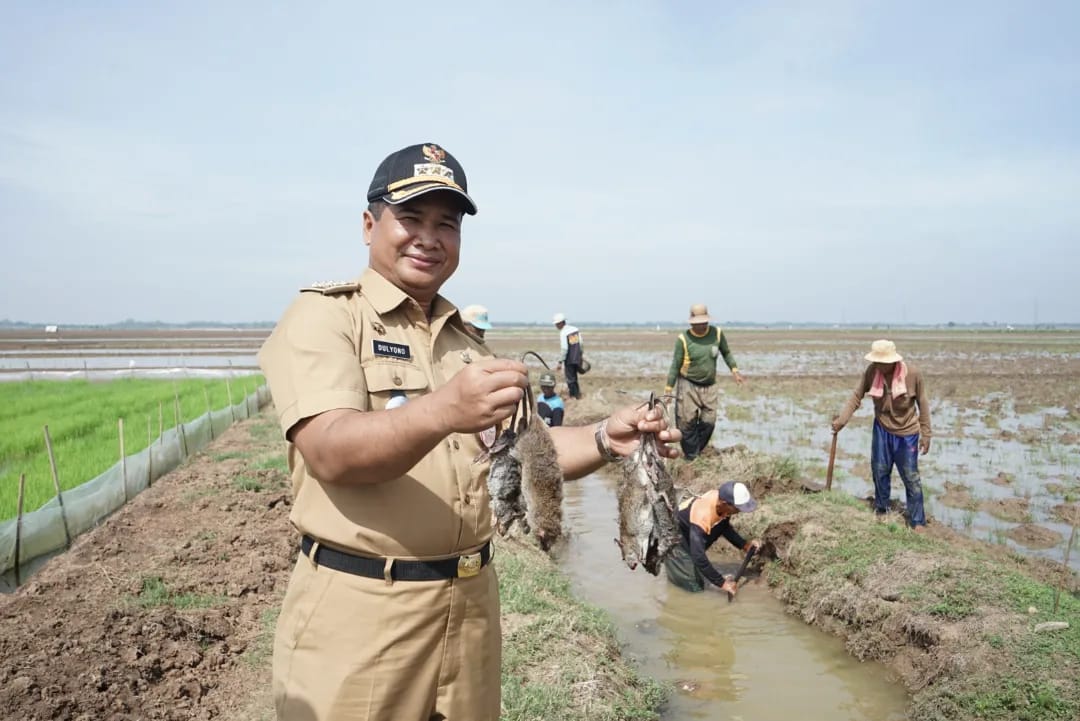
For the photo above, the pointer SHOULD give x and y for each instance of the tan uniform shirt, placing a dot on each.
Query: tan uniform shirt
(903, 415)
(357, 346)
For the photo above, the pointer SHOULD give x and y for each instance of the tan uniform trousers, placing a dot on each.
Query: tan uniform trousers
(690, 398)
(350, 648)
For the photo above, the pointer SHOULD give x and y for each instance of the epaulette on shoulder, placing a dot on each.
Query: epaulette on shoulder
(332, 287)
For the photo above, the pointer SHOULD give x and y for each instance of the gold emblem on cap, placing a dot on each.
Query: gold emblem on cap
(434, 153)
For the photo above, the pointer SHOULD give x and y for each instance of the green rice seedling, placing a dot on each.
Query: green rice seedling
(82, 419)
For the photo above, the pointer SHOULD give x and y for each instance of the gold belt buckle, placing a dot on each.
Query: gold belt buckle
(469, 565)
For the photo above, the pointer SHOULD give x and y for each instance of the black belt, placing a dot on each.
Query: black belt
(401, 570)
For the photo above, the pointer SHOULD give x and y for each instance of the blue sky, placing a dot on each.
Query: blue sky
(826, 161)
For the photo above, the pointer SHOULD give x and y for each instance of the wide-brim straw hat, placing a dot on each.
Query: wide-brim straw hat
(699, 313)
(883, 351)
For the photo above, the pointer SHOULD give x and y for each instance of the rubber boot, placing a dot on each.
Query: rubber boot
(704, 435)
(689, 440)
(575, 391)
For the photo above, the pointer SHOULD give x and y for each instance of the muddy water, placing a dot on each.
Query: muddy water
(740, 660)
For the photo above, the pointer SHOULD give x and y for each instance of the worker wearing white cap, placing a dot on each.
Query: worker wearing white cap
(702, 521)
(573, 358)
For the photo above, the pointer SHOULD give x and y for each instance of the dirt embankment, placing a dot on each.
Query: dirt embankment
(164, 611)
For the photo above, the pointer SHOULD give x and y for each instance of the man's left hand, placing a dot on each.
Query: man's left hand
(625, 426)
(739, 380)
(924, 446)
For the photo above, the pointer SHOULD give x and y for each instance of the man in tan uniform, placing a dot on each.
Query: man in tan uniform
(386, 402)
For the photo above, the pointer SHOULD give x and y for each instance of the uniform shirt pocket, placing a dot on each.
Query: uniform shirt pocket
(389, 381)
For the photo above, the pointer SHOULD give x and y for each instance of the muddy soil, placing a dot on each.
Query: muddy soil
(165, 611)
(1033, 536)
(1016, 510)
(957, 496)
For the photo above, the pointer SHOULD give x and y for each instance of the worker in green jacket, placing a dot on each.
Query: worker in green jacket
(693, 379)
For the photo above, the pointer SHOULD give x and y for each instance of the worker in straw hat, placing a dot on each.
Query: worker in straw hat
(692, 377)
(901, 426)
(475, 318)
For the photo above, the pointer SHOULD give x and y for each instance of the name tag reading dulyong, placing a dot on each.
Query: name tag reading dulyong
(391, 350)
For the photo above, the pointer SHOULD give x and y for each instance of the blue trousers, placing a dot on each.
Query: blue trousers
(886, 450)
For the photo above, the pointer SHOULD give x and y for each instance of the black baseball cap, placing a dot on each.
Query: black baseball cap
(417, 170)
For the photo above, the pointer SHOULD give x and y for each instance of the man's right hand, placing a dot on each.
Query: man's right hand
(482, 394)
(837, 426)
(729, 586)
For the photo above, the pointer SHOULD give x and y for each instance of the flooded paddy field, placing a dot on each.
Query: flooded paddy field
(105, 354)
(1004, 465)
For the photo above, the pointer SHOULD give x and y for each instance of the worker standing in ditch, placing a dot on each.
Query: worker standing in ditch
(692, 377)
(901, 426)
(387, 402)
(702, 521)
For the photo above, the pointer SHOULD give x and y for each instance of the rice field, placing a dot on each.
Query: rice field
(82, 418)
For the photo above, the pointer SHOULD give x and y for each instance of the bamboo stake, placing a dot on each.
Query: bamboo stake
(56, 485)
(149, 453)
(86, 370)
(160, 423)
(1064, 568)
(209, 413)
(832, 462)
(123, 458)
(18, 527)
(228, 389)
(180, 423)
(29, 372)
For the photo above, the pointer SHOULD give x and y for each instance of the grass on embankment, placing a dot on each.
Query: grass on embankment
(82, 418)
(561, 660)
(954, 618)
